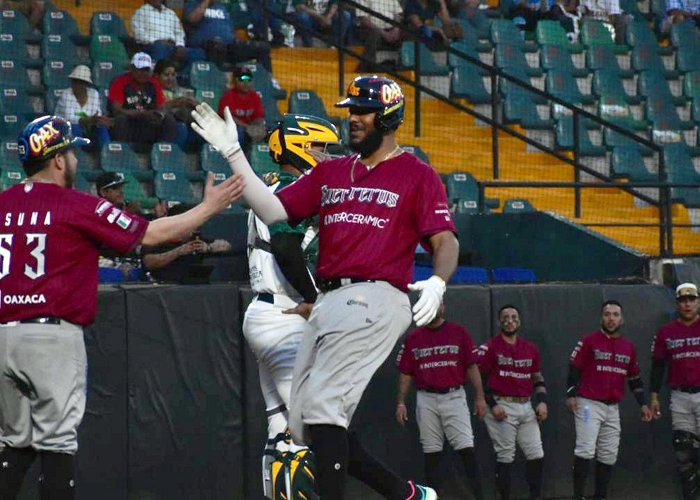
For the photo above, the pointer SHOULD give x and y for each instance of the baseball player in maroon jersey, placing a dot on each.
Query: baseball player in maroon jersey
(374, 207)
(678, 344)
(440, 357)
(49, 247)
(512, 373)
(599, 366)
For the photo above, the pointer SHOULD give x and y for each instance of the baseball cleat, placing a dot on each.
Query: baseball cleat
(419, 492)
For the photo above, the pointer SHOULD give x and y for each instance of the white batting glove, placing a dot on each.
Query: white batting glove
(222, 134)
(431, 292)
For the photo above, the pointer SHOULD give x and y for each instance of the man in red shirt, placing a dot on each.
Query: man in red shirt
(136, 99)
(511, 367)
(678, 344)
(439, 357)
(246, 107)
(599, 366)
(49, 246)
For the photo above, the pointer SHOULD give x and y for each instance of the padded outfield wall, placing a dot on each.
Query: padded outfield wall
(175, 410)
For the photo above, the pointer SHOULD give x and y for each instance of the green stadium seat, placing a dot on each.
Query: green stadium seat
(9, 156)
(504, 31)
(467, 81)
(134, 190)
(679, 169)
(508, 55)
(211, 97)
(638, 33)
(55, 73)
(552, 33)
(517, 205)
(51, 98)
(120, 157)
(264, 78)
(630, 8)
(212, 161)
(84, 185)
(564, 138)
(14, 74)
(660, 108)
(15, 22)
(168, 157)
(428, 66)
(627, 162)
(88, 164)
(11, 176)
(272, 111)
(603, 57)
(15, 101)
(508, 87)
(614, 108)
(10, 125)
(607, 82)
(463, 191)
(691, 85)
(173, 187)
(108, 48)
(688, 58)
(13, 45)
(261, 161)
(103, 72)
(647, 57)
(108, 23)
(652, 83)
(469, 48)
(556, 57)
(684, 34)
(307, 102)
(479, 22)
(595, 34)
(564, 86)
(206, 76)
(518, 108)
(416, 150)
(60, 22)
(56, 47)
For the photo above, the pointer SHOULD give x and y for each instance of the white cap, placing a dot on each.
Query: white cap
(686, 290)
(82, 73)
(142, 60)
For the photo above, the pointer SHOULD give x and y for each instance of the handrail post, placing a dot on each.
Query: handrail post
(665, 208)
(494, 129)
(416, 61)
(341, 58)
(577, 172)
(482, 195)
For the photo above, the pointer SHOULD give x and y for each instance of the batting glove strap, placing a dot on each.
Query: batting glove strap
(431, 292)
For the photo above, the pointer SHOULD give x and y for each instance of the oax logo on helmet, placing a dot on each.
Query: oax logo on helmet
(39, 139)
(390, 93)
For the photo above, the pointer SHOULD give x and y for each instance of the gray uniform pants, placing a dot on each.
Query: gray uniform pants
(685, 412)
(43, 372)
(597, 430)
(521, 428)
(350, 333)
(440, 415)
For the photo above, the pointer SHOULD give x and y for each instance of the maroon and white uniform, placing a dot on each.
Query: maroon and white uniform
(437, 359)
(605, 364)
(370, 223)
(509, 369)
(49, 246)
(678, 346)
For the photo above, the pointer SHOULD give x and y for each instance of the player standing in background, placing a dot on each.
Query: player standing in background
(440, 357)
(285, 291)
(511, 368)
(48, 286)
(599, 366)
(678, 344)
(374, 207)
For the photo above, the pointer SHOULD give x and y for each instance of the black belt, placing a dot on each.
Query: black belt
(446, 390)
(266, 297)
(43, 320)
(327, 285)
(688, 389)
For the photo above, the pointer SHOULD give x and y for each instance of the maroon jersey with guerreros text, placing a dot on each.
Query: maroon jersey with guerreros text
(605, 363)
(50, 238)
(509, 367)
(437, 358)
(370, 220)
(679, 346)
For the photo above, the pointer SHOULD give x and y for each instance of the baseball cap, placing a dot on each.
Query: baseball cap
(686, 290)
(109, 180)
(141, 60)
(82, 73)
(244, 73)
(44, 137)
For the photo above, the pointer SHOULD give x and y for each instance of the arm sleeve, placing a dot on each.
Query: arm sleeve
(572, 381)
(637, 387)
(286, 247)
(656, 376)
(488, 395)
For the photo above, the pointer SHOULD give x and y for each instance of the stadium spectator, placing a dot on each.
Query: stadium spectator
(80, 105)
(178, 100)
(160, 31)
(420, 15)
(211, 29)
(321, 16)
(246, 108)
(527, 13)
(376, 33)
(33, 9)
(182, 261)
(679, 11)
(137, 99)
(273, 23)
(607, 11)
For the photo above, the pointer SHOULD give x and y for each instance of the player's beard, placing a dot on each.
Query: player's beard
(610, 332)
(369, 144)
(510, 333)
(69, 178)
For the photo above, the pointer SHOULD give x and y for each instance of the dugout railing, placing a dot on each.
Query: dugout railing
(652, 194)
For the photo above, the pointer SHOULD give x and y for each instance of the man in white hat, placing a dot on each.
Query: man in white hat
(677, 344)
(136, 99)
(80, 106)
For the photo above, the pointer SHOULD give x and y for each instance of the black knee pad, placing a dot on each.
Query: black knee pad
(684, 448)
(57, 481)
